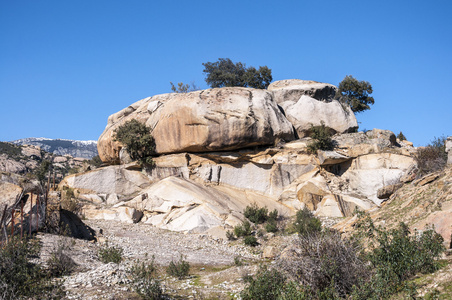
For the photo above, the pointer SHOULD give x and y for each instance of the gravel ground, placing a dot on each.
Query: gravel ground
(213, 272)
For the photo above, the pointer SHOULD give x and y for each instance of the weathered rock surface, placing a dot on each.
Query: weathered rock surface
(183, 205)
(306, 112)
(108, 180)
(11, 166)
(368, 173)
(208, 120)
(449, 149)
(418, 206)
(8, 194)
(293, 89)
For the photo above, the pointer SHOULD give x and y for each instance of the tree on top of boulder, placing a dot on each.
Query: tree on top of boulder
(355, 93)
(225, 73)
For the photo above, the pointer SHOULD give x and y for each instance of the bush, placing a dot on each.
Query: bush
(144, 281)
(59, 263)
(401, 136)
(243, 230)
(431, 158)
(137, 139)
(325, 264)
(321, 136)
(179, 268)
(395, 257)
(255, 214)
(267, 285)
(183, 88)
(109, 254)
(230, 235)
(271, 226)
(250, 241)
(20, 278)
(306, 223)
(96, 161)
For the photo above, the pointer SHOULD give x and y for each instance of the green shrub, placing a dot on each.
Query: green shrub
(250, 241)
(306, 223)
(237, 261)
(273, 215)
(243, 230)
(230, 235)
(137, 139)
(144, 281)
(109, 254)
(271, 226)
(321, 136)
(20, 278)
(396, 256)
(255, 214)
(267, 285)
(179, 268)
(96, 161)
(401, 136)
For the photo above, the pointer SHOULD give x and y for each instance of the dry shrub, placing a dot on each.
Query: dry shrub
(431, 158)
(325, 262)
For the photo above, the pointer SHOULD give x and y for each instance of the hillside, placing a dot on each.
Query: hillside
(82, 149)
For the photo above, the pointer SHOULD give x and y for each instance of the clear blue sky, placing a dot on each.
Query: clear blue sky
(65, 66)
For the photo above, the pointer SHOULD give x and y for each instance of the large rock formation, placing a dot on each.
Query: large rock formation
(220, 150)
(293, 89)
(309, 103)
(209, 120)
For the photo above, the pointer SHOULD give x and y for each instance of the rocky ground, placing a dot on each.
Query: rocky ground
(214, 273)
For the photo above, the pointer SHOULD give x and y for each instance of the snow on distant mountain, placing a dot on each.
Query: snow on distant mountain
(84, 149)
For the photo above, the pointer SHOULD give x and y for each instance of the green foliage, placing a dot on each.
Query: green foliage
(13, 151)
(250, 240)
(321, 136)
(432, 157)
(243, 230)
(306, 223)
(183, 88)
(95, 161)
(230, 235)
(225, 73)
(267, 285)
(396, 256)
(271, 226)
(255, 214)
(20, 278)
(179, 268)
(144, 281)
(109, 254)
(355, 93)
(137, 139)
(401, 136)
(42, 170)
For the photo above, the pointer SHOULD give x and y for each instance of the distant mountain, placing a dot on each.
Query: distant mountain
(84, 149)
